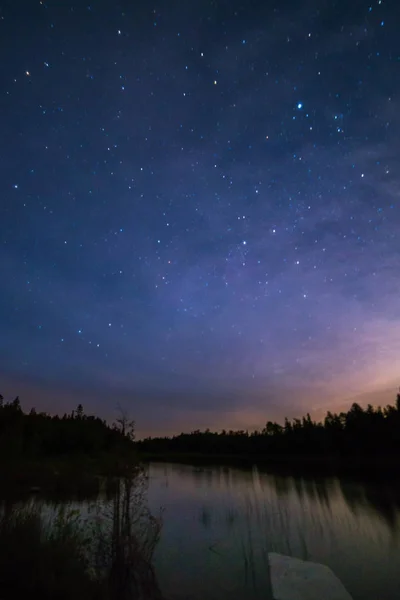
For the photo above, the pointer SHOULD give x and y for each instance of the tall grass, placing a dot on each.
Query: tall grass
(41, 560)
(105, 556)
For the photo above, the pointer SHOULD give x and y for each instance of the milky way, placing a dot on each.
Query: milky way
(199, 212)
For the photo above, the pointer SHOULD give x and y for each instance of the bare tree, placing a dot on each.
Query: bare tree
(124, 423)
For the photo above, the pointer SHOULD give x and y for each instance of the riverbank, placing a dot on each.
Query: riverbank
(72, 477)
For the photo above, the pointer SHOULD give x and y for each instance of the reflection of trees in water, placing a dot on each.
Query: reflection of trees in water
(301, 516)
(111, 539)
(225, 477)
(205, 517)
(126, 535)
(283, 485)
(319, 490)
(383, 500)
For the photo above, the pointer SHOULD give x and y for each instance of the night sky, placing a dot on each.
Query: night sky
(199, 207)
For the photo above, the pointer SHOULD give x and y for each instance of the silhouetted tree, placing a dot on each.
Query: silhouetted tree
(26, 436)
(124, 423)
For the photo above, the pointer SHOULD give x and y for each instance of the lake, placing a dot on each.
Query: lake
(220, 523)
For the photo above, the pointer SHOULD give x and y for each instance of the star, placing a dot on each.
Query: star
(168, 174)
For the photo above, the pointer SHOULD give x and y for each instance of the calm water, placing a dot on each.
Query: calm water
(220, 522)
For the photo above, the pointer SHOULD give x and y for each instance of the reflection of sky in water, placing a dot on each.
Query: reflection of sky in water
(219, 523)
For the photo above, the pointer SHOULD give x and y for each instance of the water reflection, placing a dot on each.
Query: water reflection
(111, 536)
(221, 522)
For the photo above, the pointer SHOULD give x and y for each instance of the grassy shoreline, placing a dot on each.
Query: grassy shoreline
(72, 477)
(66, 554)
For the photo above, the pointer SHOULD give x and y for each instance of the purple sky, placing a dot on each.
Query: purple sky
(199, 209)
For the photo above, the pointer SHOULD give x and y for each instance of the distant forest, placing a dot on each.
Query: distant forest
(39, 436)
(363, 435)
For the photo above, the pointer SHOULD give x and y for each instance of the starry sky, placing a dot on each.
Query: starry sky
(199, 207)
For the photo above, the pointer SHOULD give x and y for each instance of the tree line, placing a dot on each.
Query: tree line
(370, 432)
(359, 433)
(38, 435)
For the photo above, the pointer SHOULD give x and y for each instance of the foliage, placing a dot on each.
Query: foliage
(125, 535)
(69, 557)
(359, 434)
(76, 435)
(41, 561)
